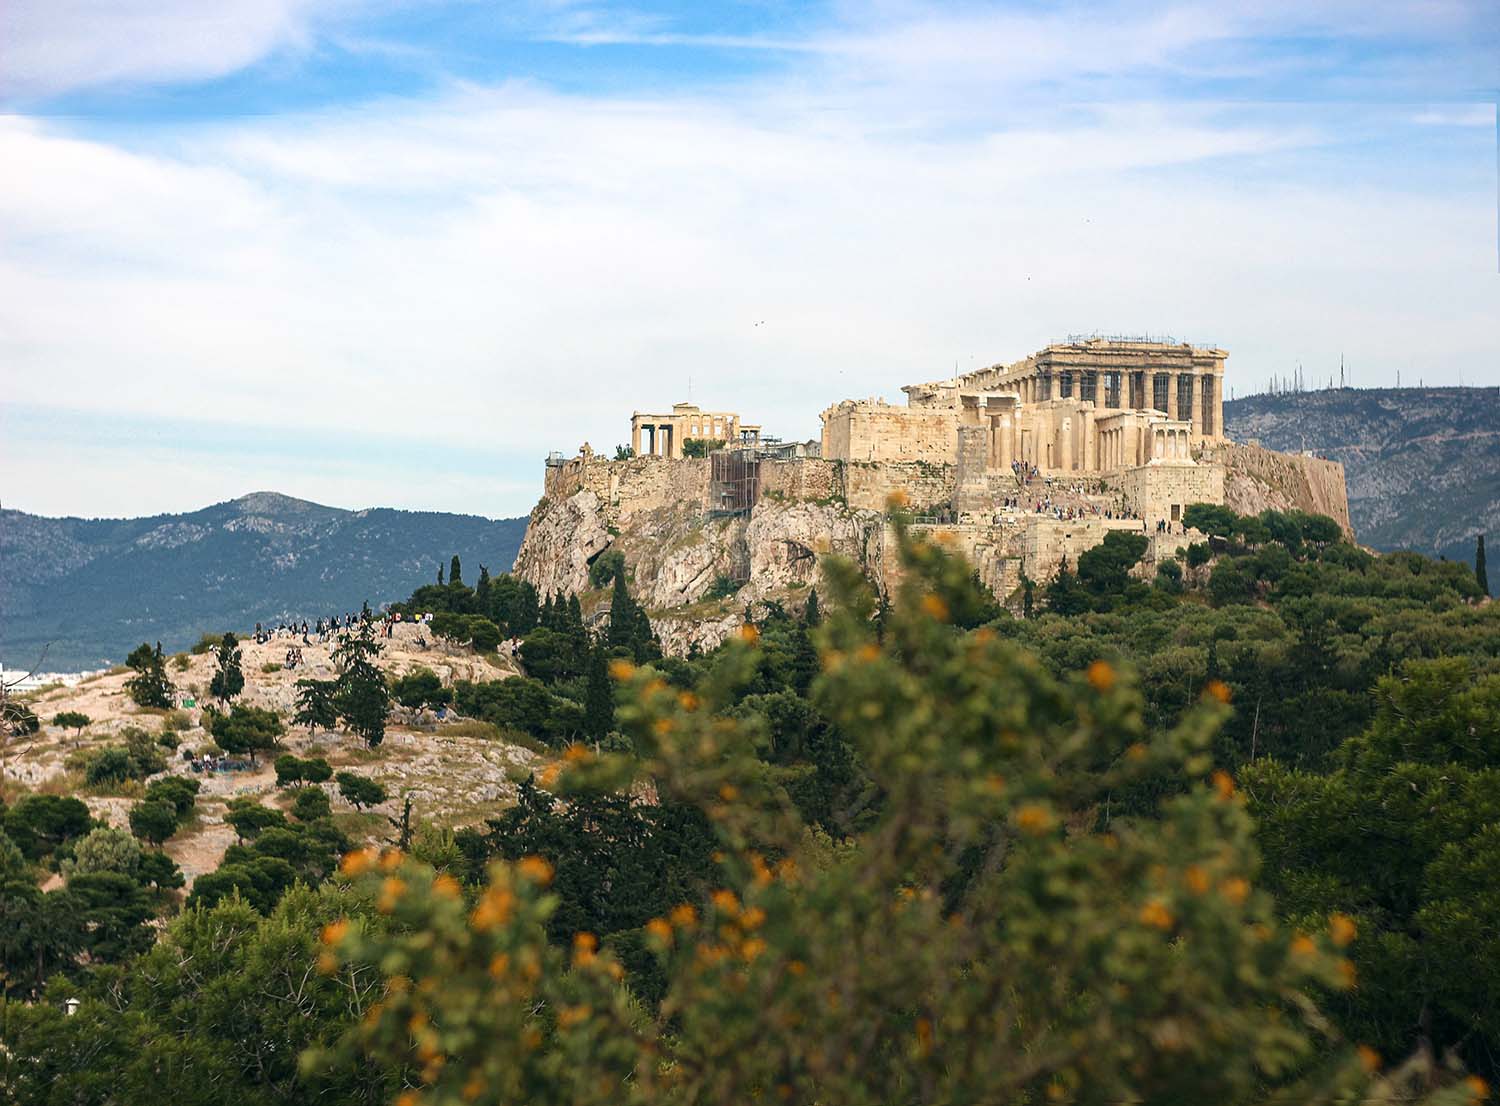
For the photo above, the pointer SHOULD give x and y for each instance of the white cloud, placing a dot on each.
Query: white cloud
(514, 269)
(52, 46)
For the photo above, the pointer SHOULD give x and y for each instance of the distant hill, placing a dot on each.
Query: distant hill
(1422, 464)
(96, 588)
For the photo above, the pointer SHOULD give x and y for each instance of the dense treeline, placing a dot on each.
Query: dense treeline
(909, 849)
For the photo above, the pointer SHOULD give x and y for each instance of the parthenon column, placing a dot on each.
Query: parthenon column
(635, 438)
(1171, 395)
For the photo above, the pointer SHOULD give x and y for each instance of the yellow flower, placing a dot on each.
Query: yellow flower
(1136, 751)
(390, 894)
(753, 918)
(935, 607)
(327, 963)
(725, 901)
(570, 1016)
(762, 874)
(924, 1036)
(1034, 818)
(445, 886)
(1218, 689)
(1348, 976)
(1101, 675)
(752, 948)
(407, 1098)
(334, 932)
(499, 966)
(621, 669)
(749, 634)
(474, 1087)
(897, 500)
(547, 777)
(1224, 784)
(1369, 1059)
(1236, 889)
(661, 929)
(357, 862)
(868, 652)
(1155, 915)
(390, 860)
(728, 792)
(1196, 879)
(575, 753)
(1477, 1087)
(1342, 929)
(536, 869)
(683, 915)
(584, 945)
(1302, 945)
(494, 909)
(796, 967)
(687, 701)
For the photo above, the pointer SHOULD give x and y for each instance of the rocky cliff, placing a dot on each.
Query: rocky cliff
(693, 571)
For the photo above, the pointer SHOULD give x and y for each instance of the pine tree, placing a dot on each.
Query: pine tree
(811, 616)
(150, 686)
(315, 704)
(482, 591)
(1481, 571)
(360, 693)
(229, 678)
(455, 573)
(599, 697)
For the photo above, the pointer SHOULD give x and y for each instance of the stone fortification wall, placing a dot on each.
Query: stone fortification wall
(1257, 479)
(1163, 491)
(802, 479)
(629, 487)
(868, 486)
(1047, 541)
(873, 430)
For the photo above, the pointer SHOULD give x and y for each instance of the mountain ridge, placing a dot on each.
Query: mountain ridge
(1422, 465)
(94, 588)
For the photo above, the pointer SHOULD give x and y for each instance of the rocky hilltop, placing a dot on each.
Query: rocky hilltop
(1422, 464)
(94, 588)
(696, 567)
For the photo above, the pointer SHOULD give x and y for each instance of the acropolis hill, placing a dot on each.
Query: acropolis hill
(1019, 466)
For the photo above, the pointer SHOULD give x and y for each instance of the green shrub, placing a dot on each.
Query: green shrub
(310, 803)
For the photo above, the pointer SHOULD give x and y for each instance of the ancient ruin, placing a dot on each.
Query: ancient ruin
(1020, 466)
(663, 435)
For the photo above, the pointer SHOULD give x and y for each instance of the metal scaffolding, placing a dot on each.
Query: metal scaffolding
(734, 481)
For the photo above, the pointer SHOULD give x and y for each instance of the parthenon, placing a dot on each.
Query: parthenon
(1093, 405)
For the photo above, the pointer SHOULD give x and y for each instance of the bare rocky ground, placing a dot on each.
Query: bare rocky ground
(455, 772)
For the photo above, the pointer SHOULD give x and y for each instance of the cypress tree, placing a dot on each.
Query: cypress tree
(525, 613)
(440, 574)
(811, 616)
(573, 626)
(621, 614)
(599, 697)
(455, 573)
(1481, 570)
(482, 590)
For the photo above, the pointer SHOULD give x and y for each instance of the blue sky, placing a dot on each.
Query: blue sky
(384, 252)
